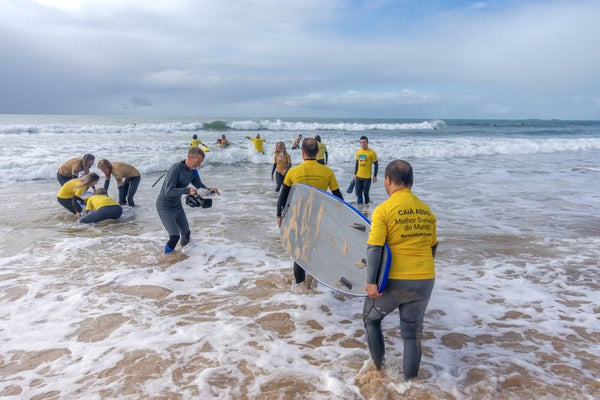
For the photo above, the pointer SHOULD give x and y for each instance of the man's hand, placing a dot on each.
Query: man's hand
(372, 291)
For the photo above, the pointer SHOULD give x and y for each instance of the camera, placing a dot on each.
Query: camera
(197, 201)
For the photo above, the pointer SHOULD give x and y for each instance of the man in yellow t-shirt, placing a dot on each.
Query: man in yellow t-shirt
(322, 155)
(408, 226)
(258, 143)
(366, 162)
(311, 173)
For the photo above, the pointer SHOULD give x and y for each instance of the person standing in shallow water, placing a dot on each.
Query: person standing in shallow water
(281, 164)
(412, 273)
(366, 162)
(168, 203)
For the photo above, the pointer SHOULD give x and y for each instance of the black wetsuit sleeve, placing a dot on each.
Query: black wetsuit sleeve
(338, 194)
(374, 257)
(434, 249)
(106, 184)
(376, 168)
(326, 157)
(355, 167)
(273, 170)
(283, 196)
(170, 184)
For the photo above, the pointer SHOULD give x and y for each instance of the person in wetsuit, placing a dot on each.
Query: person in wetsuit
(70, 169)
(72, 190)
(408, 226)
(100, 207)
(128, 179)
(168, 203)
(311, 173)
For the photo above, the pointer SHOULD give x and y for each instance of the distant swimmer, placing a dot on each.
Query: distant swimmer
(100, 207)
(128, 178)
(196, 142)
(323, 156)
(74, 167)
(366, 163)
(281, 164)
(258, 143)
(224, 141)
(297, 141)
(73, 190)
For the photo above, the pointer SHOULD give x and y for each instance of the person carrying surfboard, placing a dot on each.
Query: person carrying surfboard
(311, 173)
(168, 203)
(408, 226)
(366, 162)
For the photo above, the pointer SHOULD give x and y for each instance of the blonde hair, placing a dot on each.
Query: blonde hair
(88, 179)
(104, 163)
(283, 150)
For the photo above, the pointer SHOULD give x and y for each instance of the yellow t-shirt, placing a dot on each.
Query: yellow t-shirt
(258, 144)
(196, 143)
(407, 225)
(123, 171)
(365, 159)
(322, 151)
(97, 201)
(71, 189)
(71, 167)
(312, 173)
(283, 161)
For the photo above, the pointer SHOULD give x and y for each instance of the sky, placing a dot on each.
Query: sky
(302, 58)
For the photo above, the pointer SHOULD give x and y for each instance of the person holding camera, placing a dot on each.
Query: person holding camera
(168, 203)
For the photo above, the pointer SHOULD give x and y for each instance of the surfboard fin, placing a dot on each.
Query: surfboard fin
(346, 283)
(359, 227)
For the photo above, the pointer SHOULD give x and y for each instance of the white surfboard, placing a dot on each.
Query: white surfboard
(328, 238)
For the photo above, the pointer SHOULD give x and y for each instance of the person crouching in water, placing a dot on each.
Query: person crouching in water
(168, 203)
(127, 177)
(99, 207)
(72, 191)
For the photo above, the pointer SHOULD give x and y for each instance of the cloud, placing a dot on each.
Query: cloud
(486, 59)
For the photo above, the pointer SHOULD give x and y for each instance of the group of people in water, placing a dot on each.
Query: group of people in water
(75, 179)
(413, 246)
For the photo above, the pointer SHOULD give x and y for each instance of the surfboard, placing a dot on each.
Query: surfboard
(328, 238)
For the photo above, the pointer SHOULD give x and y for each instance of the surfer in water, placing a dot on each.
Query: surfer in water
(281, 164)
(312, 173)
(323, 155)
(258, 143)
(296, 143)
(409, 227)
(100, 207)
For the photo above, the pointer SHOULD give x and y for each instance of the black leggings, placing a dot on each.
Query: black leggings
(101, 214)
(70, 204)
(127, 191)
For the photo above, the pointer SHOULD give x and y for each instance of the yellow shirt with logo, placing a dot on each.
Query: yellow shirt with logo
(408, 226)
(258, 144)
(365, 159)
(312, 173)
(322, 151)
(97, 201)
(283, 161)
(71, 189)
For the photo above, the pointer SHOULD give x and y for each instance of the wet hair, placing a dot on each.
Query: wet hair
(310, 147)
(195, 137)
(400, 172)
(283, 149)
(88, 179)
(195, 152)
(104, 163)
(318, 138)
(100, 191)
(86, 160)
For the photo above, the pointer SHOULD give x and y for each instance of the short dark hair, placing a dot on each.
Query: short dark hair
(400, 171)
(195, 152)
(195, 137)
(310, 147)
(364, 138)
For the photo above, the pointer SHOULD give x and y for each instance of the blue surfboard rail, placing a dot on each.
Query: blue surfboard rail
(384, 269)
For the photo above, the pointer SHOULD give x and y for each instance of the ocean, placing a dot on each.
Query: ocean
(98, 312)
